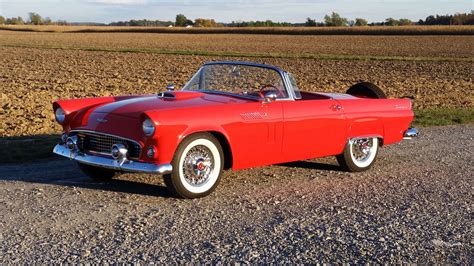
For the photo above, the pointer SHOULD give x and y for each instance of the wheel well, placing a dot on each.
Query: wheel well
(380, 141)
(225, 148)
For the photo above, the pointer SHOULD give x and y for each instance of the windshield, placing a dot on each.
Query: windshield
(241, 80)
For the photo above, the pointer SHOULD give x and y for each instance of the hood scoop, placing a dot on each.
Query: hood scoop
(179, 95)
(167, 95)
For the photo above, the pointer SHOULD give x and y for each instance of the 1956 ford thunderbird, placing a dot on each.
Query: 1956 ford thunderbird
(230, 115)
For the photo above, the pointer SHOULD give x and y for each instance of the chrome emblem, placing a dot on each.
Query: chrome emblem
(101, 120)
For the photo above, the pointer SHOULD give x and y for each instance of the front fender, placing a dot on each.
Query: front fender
(77, 110)
(174, 126)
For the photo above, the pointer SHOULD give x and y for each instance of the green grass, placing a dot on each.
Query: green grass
(443, 116)
(243, 54)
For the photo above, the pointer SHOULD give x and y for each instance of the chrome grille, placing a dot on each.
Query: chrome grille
(102, 143)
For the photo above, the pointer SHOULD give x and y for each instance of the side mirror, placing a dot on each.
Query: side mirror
(270, 96)
(170, 87)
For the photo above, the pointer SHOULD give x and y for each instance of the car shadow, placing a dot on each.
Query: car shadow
(21, 163)
(63, 172)
(312, 165)
(30, 159)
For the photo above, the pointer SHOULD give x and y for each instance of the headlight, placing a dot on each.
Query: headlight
(148, 127)
(60, 115)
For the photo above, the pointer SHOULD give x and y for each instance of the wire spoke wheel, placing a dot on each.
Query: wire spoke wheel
(198, 165)
(361, 149)
(359, 154)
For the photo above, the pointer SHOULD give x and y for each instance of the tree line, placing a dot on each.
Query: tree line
(457, 19)
(333, 19)
(33, 19)
(142, 22)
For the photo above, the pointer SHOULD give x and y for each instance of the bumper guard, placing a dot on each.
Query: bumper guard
(411, 133)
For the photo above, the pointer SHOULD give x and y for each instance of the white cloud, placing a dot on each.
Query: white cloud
(119, 2)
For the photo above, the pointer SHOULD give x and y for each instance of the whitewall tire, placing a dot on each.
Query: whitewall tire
(359, 154)
(197, 166)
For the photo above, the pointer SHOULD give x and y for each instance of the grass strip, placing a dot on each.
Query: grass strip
(243, 54)
(443, 116)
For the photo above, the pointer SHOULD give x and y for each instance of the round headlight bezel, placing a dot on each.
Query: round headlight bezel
(60, 115)
(148, 127)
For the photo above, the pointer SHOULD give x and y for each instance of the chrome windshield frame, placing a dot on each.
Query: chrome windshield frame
(283, 75)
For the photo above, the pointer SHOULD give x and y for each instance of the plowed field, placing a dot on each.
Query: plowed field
(402, 46)
(32, 78)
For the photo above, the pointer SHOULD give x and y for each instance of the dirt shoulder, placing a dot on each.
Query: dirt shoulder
(415, 205)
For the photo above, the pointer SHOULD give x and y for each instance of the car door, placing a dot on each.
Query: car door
(313, 128)
(257, 135)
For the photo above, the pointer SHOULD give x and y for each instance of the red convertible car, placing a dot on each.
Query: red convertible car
(230, 115)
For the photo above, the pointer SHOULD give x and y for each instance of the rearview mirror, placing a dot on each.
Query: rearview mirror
(270, 96)
(170, 87)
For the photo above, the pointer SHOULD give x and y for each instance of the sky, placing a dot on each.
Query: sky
(105, 11)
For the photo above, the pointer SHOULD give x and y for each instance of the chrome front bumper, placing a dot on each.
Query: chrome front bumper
(411, 133)
(127, 166)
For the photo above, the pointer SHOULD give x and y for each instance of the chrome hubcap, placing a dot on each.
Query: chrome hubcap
(198, 165)
(362, 149)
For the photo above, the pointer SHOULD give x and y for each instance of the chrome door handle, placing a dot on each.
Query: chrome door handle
(336, 107)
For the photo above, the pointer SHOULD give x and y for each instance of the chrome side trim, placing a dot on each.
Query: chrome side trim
(127, 166)
(411, 133)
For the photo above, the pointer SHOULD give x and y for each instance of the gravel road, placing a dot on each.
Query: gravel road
(415, 205)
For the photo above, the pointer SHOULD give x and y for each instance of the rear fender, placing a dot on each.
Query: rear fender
(366, 127)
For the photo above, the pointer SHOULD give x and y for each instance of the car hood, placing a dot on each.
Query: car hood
(135, 106)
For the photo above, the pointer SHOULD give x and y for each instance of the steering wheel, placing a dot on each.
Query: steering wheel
(268, 88)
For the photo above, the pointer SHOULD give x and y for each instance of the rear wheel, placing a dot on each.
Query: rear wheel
(197, 167)
(359, 154)
(97, 173)
(366, 89)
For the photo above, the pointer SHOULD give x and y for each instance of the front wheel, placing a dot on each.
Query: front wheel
(359, 154)
(197, 167)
